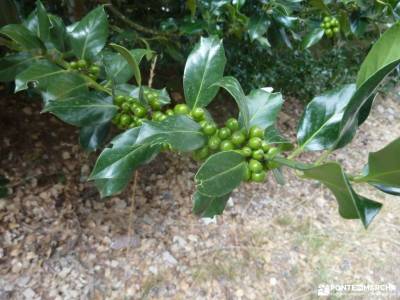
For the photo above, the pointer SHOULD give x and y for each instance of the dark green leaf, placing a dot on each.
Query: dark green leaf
(234, 88)
(273, 136)
(204, 66)
(131, 60)
(89, 36)
(220, 174)
(92, 137)
(351, 205)
(208, 207)
(57, 34)
(181, 132)
(381, 60)
(13, 64)
(41, 73)
(83, 110)
(115, 166)
(117, 66)
(43, 28)
(384, 166)
(22, 36)
(395, 191)
(258, 26)
(263, 108)
(319, 126)
(312, 38)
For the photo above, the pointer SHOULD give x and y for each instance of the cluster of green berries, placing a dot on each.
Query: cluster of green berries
(252, 146)
(330, 26)
(82, 65)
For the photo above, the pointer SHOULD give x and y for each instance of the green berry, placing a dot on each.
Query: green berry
(265, 146)
(201, 153)
(139, 122)
(272, 165)
(198, 114)
(238, 138)
(255, 143)
(203, 123)
(94, 70)
(125, 120)
(255, 166)
(140, 111)
(224, 133)
(256, 132)
(258, 154)
(155, 104)
(226, 145)
(246, 151)
(328, 32)
(157, 115)
(119, 100)
(82, 63)
(116, 118)
(181, 109)
(126, 107)
(73, 65)
(232, 124)
(133, 105)
(169, 112)
(327, 19)
(336, 29)
(209, 129)
(258, 176)
(214, 142)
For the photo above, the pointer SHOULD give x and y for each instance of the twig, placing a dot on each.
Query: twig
(152, 71)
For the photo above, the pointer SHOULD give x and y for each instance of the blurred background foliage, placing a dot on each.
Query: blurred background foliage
(278, 43)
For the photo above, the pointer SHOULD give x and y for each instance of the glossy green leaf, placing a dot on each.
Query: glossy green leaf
(234, 88)
(40, 73)
(43, 28)
(258, 26)
(92, 137)
(83, 110)
(22, 36)
(181, 132)
(320, 123)
(90, 34)
(351, 205)
(220, 174)
(208, 207)
(131, 60)
(117, 66)
(57, 34)
(204, 66)
(273, 136)
(115, 166)
(384, 166)
(263, 108)
(312, 38)
(381, 61)
(66, 85)
(395, 191)
(11, 65)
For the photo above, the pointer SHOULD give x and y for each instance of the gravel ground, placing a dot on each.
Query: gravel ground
(59, 241)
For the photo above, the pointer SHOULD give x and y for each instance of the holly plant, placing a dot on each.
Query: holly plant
(87, 83)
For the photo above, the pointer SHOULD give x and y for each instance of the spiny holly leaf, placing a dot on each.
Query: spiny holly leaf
(22, 36)
(115, 166)
(11, 65)
(312, 38)
(381, 60)
(319, 125)
(57, 35)
(89, 35)
(232, 85)
(92, 137)
(220, 174)
(263, 108)
(384, 166)
(42, 73)
(204, 66)
(208, 207)
(84, 110)
(117, 66)
(351, 205)
(181, 132)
